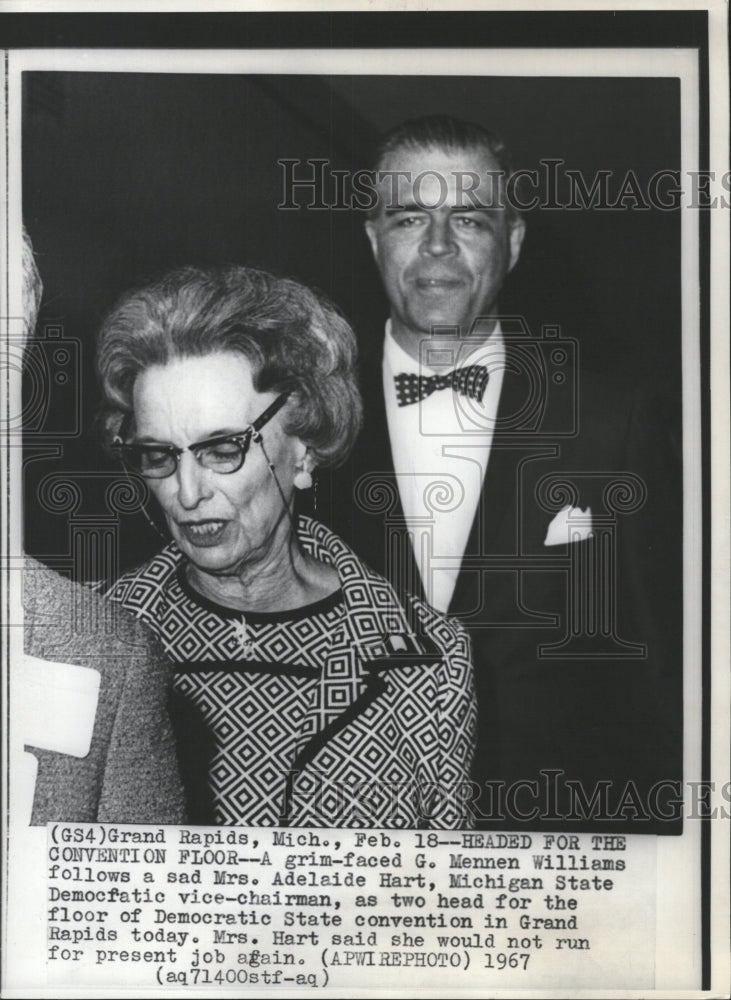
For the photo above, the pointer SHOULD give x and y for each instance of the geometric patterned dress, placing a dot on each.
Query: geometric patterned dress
(249, 710)
(346, 712)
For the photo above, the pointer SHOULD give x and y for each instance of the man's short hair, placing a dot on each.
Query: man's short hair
(450, 134)
(443, 132)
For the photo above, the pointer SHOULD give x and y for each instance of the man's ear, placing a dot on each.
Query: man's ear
(372, 233)
(517, 232)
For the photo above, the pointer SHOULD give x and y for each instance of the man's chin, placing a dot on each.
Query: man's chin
(444, 319)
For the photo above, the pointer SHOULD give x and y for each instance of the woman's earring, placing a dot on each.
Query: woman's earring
(303, 479)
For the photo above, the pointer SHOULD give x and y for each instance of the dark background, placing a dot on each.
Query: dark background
(125, 175)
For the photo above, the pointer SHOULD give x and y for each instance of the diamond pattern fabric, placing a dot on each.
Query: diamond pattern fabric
(310, 717)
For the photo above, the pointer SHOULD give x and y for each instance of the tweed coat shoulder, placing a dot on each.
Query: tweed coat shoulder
(130, 774)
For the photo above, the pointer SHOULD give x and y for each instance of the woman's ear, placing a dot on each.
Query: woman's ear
(305, 459)
(305, 466)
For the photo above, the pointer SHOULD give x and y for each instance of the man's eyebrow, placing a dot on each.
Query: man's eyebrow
(472, 209)
(415, 206)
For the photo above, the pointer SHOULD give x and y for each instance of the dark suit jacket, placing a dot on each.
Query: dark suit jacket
(577, 648)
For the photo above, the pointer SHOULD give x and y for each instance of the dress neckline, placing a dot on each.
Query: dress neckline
(321, 606)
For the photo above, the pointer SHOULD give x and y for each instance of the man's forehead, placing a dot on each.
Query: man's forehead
(433, 177)
(435, 157)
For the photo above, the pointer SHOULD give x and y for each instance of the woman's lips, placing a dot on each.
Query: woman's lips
(203, 534)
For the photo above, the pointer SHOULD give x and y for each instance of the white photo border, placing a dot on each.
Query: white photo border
(703, 746)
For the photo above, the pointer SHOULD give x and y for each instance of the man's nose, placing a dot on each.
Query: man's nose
(438, 238)
(193, 481)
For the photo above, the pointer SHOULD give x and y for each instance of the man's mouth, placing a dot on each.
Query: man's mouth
(202, 533)
(442, 279)
(437, 283)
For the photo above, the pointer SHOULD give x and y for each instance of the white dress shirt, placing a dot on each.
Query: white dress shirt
(441, 447)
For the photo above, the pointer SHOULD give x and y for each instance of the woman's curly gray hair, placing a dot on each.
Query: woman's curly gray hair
(294, 339)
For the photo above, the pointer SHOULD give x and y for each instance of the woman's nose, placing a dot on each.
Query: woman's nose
(438, 238)
(193, 481)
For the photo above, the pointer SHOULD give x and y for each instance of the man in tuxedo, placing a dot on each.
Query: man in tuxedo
(511, 488)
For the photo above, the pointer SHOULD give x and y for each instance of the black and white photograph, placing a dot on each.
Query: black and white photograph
(359, 523)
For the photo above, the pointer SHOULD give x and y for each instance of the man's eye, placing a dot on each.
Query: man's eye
(467, 221)
(407, 221)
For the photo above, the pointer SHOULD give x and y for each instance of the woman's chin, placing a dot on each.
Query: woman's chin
(210, 553)
(203, 535)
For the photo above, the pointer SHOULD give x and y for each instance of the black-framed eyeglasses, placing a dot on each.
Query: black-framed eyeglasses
(224, 453)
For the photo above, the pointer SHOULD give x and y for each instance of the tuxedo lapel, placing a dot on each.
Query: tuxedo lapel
(379, 526)
(495, 524)
(498, 505)
(374, 445)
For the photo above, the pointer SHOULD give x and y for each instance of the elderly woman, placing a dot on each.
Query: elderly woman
(304, 693)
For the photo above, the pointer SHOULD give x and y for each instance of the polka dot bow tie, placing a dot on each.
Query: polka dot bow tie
(470, 381)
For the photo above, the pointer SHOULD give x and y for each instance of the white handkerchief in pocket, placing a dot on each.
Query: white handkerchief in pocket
(571, 524)
(58, 704)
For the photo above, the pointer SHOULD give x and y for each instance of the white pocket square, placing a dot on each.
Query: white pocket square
(571, 524)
